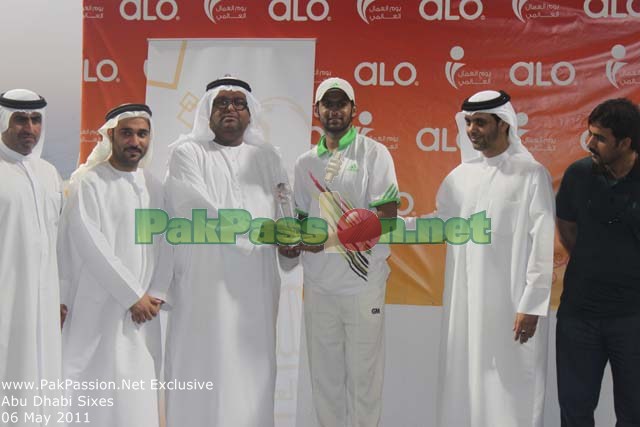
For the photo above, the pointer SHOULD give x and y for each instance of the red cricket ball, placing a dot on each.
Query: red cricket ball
(359, 230)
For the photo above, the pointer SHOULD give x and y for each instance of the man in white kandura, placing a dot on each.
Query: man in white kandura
(30, 204)
(109, 337)
(223, 298)
(345, 290)
(493, 345)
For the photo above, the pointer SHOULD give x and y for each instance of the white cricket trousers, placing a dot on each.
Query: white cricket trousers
(345, 342)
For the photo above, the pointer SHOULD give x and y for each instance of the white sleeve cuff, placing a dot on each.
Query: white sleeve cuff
(535, 301)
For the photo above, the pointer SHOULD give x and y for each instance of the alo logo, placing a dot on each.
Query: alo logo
(404, 74)
(451, 68)
(362, 6)
(534, 11)
(617, 76)
(140, 10)
(517, 6)
(105, 71)
(534, 144)
(609, 9)
(522, 120)
(562, 74)
(365, 118)
(209, 6)
(383, 12)
(289, 10)
(218, 13)
(584, 136)
(614, 65)
(410, 204)
(437, 10)
(458, 77)
(434, 139)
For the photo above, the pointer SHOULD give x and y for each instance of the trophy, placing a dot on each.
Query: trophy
(284, 200)
(333, 167)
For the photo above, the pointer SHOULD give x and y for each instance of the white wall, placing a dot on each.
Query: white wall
(41, 50)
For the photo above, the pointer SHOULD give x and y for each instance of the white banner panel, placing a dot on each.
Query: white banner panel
(280, 72)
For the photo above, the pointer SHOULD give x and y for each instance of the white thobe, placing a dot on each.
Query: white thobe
(30, 203)
(103, 273)
(223, 297)
(486, 378)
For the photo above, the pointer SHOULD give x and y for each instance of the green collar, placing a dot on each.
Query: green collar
(344, 142)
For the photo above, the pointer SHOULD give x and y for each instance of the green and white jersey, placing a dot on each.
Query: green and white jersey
(366, 179)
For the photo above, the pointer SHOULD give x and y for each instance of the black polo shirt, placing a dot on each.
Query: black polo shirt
(603, 275)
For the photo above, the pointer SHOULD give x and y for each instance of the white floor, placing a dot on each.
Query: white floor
(412, 341)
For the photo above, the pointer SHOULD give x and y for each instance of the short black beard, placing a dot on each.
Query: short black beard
(340, 130)
(228, 142)
(600, 168)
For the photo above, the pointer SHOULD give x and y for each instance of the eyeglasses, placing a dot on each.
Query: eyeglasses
(223, 103)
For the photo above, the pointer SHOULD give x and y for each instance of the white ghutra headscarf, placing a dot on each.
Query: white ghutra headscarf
(202, 132)
(22, 101)
(102, 151)
(490, 102)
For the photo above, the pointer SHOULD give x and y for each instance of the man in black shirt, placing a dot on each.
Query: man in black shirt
(598, 210)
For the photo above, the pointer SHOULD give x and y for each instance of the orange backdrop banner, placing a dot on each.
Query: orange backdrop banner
(412, 63)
